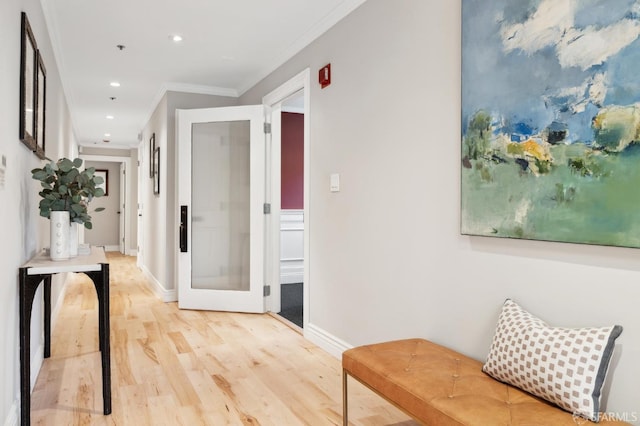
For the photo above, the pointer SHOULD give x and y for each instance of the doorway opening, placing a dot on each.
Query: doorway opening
(112, 227)
(287, 257)
(292, 209)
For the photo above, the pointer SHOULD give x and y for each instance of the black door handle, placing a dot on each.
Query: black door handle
(183, 229)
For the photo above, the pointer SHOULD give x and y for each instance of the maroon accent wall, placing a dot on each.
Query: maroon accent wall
(292, 162)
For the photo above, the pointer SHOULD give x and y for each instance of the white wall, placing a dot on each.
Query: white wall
(154, 207)
(23, 231)
(387, 257)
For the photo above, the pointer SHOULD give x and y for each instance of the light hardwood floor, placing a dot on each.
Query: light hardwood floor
(179, 367)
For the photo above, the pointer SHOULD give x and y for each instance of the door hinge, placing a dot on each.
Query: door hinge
(267, 128)
(267, 290)
(266, 208)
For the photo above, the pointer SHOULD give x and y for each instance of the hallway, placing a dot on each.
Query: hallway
(173, 367)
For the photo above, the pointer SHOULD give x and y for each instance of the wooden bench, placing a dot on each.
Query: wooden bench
(440, 387)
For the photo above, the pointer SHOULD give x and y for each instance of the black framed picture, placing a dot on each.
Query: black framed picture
(152, 149)
(156, 171)
(28, 65)
(104, 174)
(41, 110)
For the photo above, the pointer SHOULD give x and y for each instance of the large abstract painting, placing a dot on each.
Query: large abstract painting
(551, 120)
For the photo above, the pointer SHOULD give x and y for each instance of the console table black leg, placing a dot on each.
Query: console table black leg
(101, 281)
(27, 291)
(106, 341)
(47, 316)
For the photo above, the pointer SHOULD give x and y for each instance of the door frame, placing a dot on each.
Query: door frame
(273, 102)
(142, 189)
(128, 201)
(122, 169)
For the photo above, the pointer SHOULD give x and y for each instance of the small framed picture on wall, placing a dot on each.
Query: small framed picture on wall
(156, 171)
(104, 174)
(41, 110)
(152, 148)
(28, 78)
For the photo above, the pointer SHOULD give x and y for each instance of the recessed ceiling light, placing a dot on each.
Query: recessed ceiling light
(110, 117)
(114, 84)
(106, 135)
(175, 37)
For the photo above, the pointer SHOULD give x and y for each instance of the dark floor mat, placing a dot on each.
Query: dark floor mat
(291, 303)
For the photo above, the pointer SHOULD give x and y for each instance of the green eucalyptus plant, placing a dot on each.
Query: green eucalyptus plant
(65, 187)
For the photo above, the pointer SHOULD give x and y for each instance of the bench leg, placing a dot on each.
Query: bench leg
(345, 408)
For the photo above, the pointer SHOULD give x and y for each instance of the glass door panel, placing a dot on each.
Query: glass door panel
(220, 214)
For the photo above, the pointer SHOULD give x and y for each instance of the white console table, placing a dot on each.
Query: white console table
(40, 269)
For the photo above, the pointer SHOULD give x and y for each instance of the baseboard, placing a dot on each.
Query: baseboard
(158, 290)
(326, 341)
(37, 356)
(36, 365)
(56, 309)
(12, 418)
(111, 248)
(133, 252)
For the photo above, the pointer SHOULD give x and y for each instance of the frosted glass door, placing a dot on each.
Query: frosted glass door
(221, 182)
(220, 220)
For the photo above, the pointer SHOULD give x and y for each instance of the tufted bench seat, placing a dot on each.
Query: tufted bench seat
(439, 387)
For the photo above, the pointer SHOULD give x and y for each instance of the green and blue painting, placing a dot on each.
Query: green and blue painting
(551, 120)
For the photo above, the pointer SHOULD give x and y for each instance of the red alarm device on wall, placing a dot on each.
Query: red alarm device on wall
(324, 76)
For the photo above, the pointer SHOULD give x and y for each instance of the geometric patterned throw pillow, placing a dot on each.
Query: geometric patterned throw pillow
(562, 365)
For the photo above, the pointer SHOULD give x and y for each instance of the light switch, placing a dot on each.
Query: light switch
(335, 182)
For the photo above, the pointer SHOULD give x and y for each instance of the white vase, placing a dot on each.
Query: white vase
(73, 239)
(59, 232)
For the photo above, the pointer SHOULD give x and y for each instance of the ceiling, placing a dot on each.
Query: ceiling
(227, 47)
